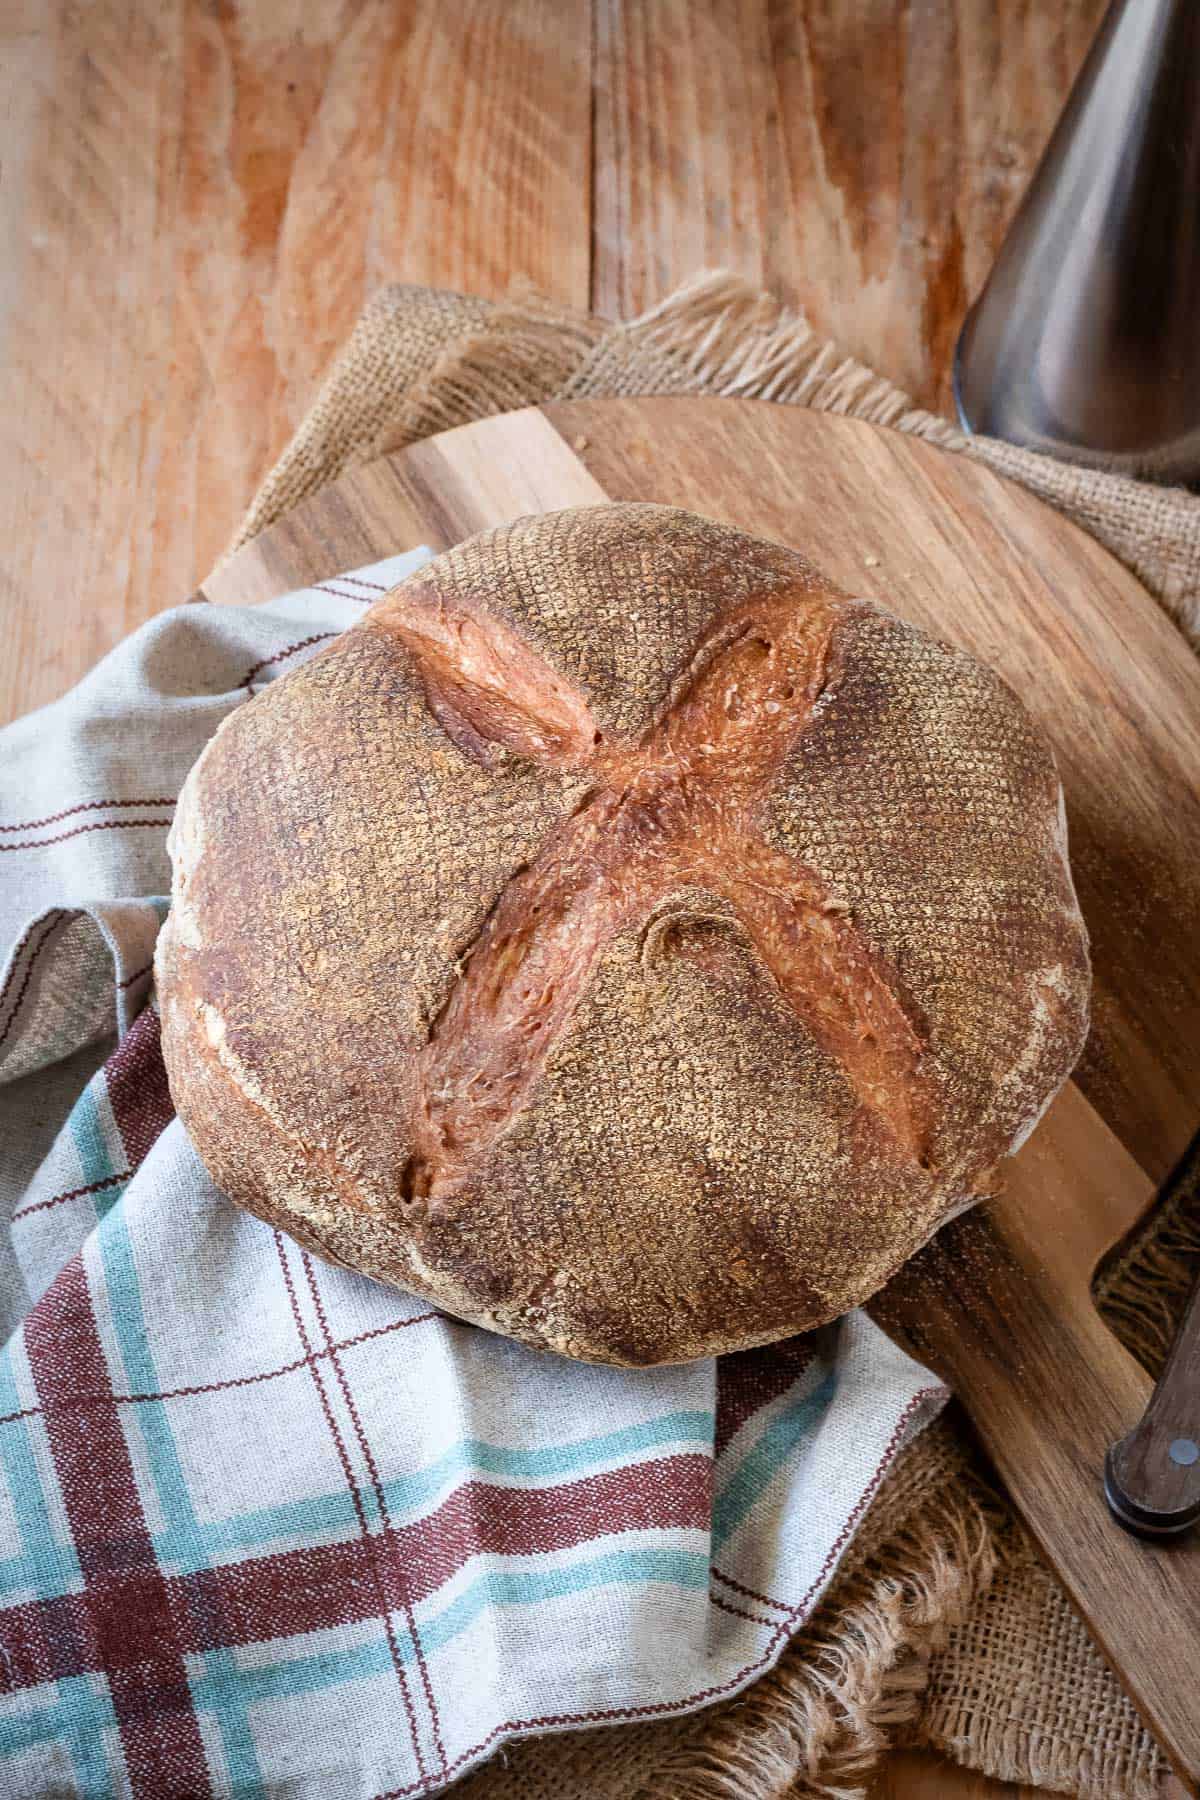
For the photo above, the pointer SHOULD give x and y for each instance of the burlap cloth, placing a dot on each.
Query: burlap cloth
(945, 1627)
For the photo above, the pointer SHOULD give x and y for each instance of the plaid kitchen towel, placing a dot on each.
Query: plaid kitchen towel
(267, 1527)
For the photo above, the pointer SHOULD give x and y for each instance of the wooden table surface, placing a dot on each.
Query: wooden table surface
(196, 196)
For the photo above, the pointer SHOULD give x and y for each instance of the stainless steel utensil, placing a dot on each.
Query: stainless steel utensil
(1086, 339)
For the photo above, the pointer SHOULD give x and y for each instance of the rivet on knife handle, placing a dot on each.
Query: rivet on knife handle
(1152, 1476)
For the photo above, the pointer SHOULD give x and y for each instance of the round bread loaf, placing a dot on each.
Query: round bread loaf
(622, 938)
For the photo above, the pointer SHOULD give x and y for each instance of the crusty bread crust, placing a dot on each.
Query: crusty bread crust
(622, 938)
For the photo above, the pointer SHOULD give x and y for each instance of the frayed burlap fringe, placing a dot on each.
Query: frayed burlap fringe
(420, 362)
(716, 335)
(850, 1680)
(853, 1678)
(397, 341)
(528, 347)
(1018, 1687)
(944, 1627)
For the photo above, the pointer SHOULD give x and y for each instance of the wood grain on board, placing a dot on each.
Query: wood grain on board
(999, 1302)
(197, 200)
(910, 1776)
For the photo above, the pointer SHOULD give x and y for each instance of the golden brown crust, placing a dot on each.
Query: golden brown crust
(622, 939)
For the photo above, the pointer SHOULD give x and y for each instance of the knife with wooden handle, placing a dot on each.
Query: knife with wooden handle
(1152, 1475)
(1000, 1305)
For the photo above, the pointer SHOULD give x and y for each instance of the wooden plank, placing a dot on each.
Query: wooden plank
(486, 123)
(919, 1775)
(313, 542)
(686, 149)
(197, 201)
(469, 480)
(397, 503)
(861, 158)
(916, 1775)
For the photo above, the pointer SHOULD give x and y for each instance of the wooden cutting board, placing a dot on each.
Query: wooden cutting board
(1000, 1302)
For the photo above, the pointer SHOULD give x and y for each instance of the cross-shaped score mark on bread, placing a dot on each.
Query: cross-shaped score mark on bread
(684, 806)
